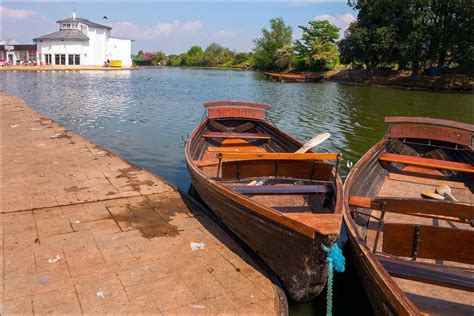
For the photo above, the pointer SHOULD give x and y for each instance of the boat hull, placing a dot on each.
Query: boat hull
(425, 147)
(288, 78)
(299, 261)
(385, 296)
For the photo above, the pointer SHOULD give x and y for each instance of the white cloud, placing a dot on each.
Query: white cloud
(15, 14)
(160, 29)
(341, 21)
(225, 34)
(191, 26)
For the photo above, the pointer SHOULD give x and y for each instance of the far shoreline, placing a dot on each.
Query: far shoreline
(454, 83)
(446, 82)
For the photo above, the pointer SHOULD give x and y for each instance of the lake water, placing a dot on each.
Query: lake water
(143, 115)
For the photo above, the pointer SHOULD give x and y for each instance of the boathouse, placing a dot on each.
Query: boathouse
(83, 42)
(13, 52)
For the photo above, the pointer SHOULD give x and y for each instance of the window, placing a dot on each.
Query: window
(47, 59)
(23, 55)
(74, 59)
(60, 59)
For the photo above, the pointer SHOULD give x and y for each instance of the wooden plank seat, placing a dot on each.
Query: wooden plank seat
(427, 162)
(282, 189)
(236, 135)
(445, 210)
(456, 278)
(279, 156)
(251, 149)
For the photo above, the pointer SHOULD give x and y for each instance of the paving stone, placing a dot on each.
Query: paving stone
(83, 231)
(62, 301)
(19, 306)
(100, 292)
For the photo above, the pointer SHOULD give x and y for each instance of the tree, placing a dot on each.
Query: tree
(192, 57)
(411, 34)
(284, 57)
(241, 58)
(272, 40)
(317, 48)
(215, 55)
(158, 58)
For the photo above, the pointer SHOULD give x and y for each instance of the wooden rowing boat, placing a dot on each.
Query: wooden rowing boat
(284, 205)
(295, 77)
(413, 254)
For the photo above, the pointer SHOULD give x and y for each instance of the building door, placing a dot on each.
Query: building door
(11, 58)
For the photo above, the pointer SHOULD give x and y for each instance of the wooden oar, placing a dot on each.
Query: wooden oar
(432, 195)
(445, 190)
(315, 141)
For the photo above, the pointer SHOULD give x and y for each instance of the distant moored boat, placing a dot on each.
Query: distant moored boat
(295, 77)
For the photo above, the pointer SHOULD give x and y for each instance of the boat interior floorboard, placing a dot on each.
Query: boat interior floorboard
(427, 297)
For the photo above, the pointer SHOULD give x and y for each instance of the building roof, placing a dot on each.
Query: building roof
(9, 42)
(85, 21)
(17, 47)
(64, 35)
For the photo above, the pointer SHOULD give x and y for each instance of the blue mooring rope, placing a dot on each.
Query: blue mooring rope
(336, 261)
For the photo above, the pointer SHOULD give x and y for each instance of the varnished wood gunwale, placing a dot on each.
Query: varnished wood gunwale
(236, 103)
(429, 121)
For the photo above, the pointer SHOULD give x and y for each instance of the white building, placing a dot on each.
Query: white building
(82, 42)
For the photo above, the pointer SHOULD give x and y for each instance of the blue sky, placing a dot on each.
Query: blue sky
(172, 27)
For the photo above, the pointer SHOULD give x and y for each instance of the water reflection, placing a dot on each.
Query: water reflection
(142, 115)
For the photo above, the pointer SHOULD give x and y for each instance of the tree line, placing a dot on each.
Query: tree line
(214, 55)
(397, 34)
(413, 35)
(274, 50)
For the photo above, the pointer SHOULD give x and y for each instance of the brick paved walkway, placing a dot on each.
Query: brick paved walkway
(83, 231)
